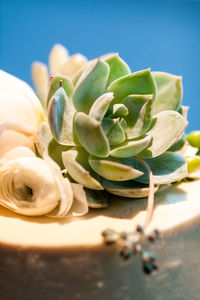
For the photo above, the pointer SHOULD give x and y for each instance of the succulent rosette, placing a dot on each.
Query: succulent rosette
(107, 124)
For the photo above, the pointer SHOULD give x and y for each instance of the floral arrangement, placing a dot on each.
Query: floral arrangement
(92, 129)
(97, 129)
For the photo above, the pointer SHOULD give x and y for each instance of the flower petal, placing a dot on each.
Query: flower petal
(57, 58)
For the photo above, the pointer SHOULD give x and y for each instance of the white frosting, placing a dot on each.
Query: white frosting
(175, 206)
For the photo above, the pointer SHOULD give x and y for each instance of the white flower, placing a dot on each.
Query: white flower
(20, 113)
(33, 186)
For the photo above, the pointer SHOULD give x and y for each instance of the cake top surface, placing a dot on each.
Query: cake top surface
(175, 206)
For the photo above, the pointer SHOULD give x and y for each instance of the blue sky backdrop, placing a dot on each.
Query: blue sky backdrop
(163, 35)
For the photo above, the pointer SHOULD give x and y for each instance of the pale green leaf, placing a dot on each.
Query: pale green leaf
(119, 110)
(91, 85)
(113, 169)
(138, 83)
(170, 91)
(131, 188)
(139, 116)
(60, 116)
(116, 135)
(131, 148)
(168, 128)
(77, 171)
(100, 106)
(55, 82)
(55, 151)
(91, 135)
(166, 168)
(118, 67)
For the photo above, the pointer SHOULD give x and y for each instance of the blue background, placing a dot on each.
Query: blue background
(163, 35)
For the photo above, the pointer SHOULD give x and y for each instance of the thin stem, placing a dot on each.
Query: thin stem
(150, 201)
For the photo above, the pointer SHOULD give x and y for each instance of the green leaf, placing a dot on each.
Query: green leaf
(100, 106)
(91, 135)
(96, 199)
(55, 82)
(113, 169)
(131, 188)
(118, 67)
(131, 148)
(177, 146)
(91, 85)
(170, 91)
(60, 115)
(116, 135)
(119, 110)
(168, 128)
(77, 171)
(138, 83)
(107, 124)
(139, 116)
(55, 152)
(166, 168)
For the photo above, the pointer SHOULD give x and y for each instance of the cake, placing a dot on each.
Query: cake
(46, 255)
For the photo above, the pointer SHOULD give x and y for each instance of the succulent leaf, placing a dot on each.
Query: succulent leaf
(116, 135)
(119, 111)
(169, 94)
(55, 151)
(139, 117)
(60, 116)
(131, 147)
(130, 188)
(178, 145)
(54, 84)
(118, 67)
(91, 85)
(91, 135)
(168, 128)
(100, 106)
(166, 168)
(113, 169)
(138, 83)
(107, 124)
(78, 172)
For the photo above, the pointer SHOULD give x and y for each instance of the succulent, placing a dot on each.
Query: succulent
(106, 124)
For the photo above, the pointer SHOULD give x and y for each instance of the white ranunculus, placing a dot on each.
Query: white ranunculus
(33, 186)
(20, 113)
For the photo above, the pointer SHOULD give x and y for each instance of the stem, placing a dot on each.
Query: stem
(150, 201)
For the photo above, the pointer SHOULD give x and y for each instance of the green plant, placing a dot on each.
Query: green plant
(108, 124)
